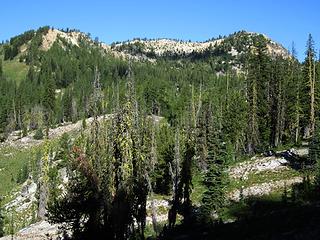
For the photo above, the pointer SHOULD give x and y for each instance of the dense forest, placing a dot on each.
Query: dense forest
(164, 123)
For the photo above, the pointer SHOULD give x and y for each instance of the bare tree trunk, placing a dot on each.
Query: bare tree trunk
(297, 112)
(43, 186)
(43, 200)
(282, 121)
(253, 125)
(312, 85)
(277, 130)
(312, 115)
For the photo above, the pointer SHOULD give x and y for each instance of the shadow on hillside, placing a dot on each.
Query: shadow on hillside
(264, 219)
(294, 161)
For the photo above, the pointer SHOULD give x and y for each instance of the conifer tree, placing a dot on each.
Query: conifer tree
(294, 109)
(216, 180)
(309, 84)
(201, 139)
(48, 102)
(185, 183)
(258, 89)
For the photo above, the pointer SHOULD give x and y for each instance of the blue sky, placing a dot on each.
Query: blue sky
(282, 20)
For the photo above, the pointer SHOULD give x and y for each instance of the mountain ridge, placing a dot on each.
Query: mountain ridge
(152, 49)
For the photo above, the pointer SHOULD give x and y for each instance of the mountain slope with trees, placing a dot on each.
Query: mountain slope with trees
(242, 96)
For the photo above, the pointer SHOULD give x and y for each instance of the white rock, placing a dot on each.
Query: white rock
(38, 231)
(263, 188)
(63, 175)
(242, 170)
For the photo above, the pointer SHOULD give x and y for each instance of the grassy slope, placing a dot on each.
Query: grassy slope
(15, 70)
(11, 161)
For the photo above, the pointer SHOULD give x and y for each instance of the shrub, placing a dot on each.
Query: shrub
(39, 134)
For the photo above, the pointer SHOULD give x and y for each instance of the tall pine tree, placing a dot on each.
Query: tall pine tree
(216, 179)
(309, 90)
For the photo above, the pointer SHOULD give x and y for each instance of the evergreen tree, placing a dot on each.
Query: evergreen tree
(48, 101)
(201, 139)
(293, 110)
(185, 183)
(216, 180)
(258, 89)
(309, 90)
(165, 151)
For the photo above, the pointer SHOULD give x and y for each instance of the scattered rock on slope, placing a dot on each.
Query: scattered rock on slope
(37, 231)
(242, 170)
(262, 189)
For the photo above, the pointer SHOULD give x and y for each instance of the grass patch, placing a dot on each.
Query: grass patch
(15, 70)
(12, 160)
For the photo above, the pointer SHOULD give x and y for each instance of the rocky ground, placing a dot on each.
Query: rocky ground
(257, 165)
(37, 231)
(262, 165)
(265, 188)
(15, 140)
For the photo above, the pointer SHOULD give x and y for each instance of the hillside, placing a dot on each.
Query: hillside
(256, 177)
(232, 48)
(142, 138)
(228, 51)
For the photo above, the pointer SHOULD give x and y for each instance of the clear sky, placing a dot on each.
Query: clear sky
(282, 20)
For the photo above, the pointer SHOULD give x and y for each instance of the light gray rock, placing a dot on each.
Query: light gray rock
(28, 188)
(63, 175)
(37, 231)
(262, 189)
(257, 165)
(24, 198)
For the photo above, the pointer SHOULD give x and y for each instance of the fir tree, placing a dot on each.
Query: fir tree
(48, 102)
(185, 184)
(309, 84)
(258, 89)
(214, 198)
